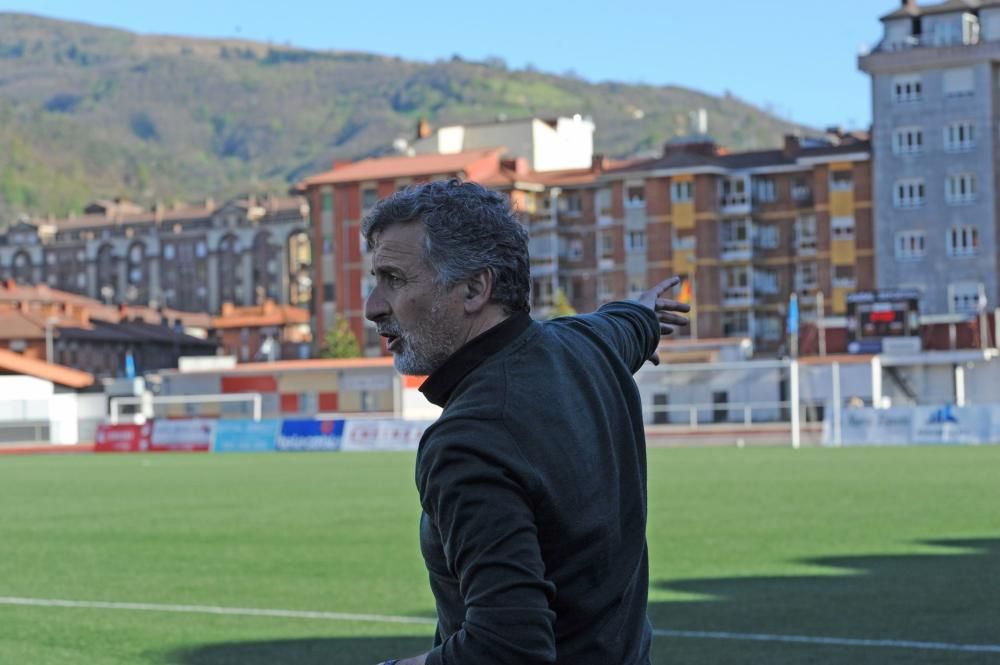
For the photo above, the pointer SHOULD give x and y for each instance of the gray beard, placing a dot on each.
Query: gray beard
(427, 347)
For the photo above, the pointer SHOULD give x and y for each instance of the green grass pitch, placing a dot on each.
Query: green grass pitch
(882, 544)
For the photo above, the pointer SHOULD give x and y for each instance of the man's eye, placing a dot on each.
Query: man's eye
(394, 280)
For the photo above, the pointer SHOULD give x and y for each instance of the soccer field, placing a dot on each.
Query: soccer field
(768, 556)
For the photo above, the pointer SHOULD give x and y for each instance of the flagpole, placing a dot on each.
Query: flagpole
(694, 315)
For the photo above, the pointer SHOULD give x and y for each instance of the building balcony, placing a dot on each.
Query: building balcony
(806, 246)
(969, 37)
(735, 204)
(736, 251)
(738, 297)
(605, 264)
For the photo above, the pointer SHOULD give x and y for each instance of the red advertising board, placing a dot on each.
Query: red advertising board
(123, 438)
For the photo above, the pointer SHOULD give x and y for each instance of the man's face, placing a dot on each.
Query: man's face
(421, 321)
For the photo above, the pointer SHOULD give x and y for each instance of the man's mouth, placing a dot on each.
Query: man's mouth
(391, 341)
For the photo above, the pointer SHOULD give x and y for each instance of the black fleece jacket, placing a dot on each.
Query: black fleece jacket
(533, 487)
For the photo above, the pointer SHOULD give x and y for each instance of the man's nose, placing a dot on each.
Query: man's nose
(375, 306)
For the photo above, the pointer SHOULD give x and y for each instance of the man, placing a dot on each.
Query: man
(533, 480)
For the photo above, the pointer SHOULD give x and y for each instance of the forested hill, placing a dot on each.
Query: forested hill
(88, 112)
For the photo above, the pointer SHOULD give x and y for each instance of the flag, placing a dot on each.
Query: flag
(793, 315)
(685, 293)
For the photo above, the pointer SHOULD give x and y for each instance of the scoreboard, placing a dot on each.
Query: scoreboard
(873, 316)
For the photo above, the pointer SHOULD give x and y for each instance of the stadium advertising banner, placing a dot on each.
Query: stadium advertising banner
(187, 434)
(309, 435)
(369, 435)
(918, 425)
(122, 438)
(246, 436)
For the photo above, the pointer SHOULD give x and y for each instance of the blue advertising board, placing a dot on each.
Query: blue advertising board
(246, 436)
(304, 435)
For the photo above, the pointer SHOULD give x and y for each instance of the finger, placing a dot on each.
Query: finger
(666, 329)
(667, 284)
(675, 319)
(655, 359)
(675, 305)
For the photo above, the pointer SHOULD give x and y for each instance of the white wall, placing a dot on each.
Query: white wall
(569, 146)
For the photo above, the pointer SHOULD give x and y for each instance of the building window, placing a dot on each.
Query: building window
(906, 89)
(575, 250)
(605, 288)
(766, 236)
(635, 196)
(911, 245)
(768, 328)
(842, 228)
(966, 297)
(960, 188)
(571, 203)
(841, 181)
(682, 191)
(635, 241)
(326, 201)
(959, 82)
(368, 198)
(765, 280)
(959, 136)
(607, 246)
(764, 190)
(908, 193)
(843, 277)
(801, 190)
(963, 240)
(735, 323)
(735, 235)
(805, 277)
(736, 282)
(805, 233)
(908, 141)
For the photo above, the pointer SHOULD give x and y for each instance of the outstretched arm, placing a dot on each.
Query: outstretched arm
(667, 310)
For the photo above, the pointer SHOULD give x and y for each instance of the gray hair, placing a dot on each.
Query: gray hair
(467, 228)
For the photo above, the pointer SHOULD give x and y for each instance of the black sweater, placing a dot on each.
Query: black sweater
(533, 486)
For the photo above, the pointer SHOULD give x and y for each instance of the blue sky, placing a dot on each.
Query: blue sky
(797, 58)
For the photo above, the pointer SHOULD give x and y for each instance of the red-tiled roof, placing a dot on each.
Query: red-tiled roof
(15, 363)
(476, 164)
(256, 316)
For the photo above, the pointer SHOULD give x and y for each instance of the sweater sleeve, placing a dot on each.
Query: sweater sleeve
(472, 487)
(630, 328)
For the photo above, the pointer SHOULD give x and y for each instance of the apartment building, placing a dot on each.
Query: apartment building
(935, 107)
(746, 229)
(187, 257)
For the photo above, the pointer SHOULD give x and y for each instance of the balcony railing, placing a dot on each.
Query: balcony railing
(735, 203)
(737, 296)
(805, 245)
(736, 250)
(969, 37)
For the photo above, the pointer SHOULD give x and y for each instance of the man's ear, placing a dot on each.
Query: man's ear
(478, 291)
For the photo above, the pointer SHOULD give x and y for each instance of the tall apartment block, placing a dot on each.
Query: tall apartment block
(936, 105)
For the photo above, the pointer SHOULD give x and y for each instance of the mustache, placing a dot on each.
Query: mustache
(389, 329)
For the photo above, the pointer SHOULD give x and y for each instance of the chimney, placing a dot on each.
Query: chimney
(210, 203)
(423, 128)
(339, 163)
(598, 163)
(227, 309)
(791, 147)
(158, 212)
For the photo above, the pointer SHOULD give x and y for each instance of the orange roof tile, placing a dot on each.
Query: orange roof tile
(255, 316)
(409, 166)
(15, 363)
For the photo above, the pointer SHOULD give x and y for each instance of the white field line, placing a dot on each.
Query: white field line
(831, 641)
(388, 618)
(208, 609)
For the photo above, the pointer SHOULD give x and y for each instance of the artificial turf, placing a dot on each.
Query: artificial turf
(862, 544)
